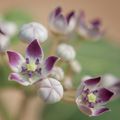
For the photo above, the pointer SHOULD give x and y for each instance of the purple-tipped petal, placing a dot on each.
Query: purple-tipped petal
(104, 94)
(100, 111)
(60, 23)
(19, 79)
(96, 23)
(92, 81)
(50, 62)
(86, 110)
(69, 16)
(15, 60)
(57, 11)
(34, 50)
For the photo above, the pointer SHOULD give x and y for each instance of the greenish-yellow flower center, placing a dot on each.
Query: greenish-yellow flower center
(31, 67)
(91, 97)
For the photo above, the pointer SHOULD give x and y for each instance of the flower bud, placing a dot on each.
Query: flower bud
(9, 28)
(32, 31)
(68, 83)
(66, 52)
(57, 73)
(50, 90)
(109, 80)
(76, 67)
(4, 41)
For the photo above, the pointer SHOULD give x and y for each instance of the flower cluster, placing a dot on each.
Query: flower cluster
(50, 80)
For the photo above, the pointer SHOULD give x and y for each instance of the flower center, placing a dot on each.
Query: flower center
(31, 66)
(91, 98)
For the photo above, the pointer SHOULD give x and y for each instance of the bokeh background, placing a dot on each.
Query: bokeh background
(96, 58)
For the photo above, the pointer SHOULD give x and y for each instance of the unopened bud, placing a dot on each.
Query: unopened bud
(76, 67)
(50, 90)
(57, 73)
(32, 31)
(66, 52)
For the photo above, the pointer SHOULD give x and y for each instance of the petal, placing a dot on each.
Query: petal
(100, 111)
(86, 110)
(60, 23)
(104, 94)
(34, 50)
(15, 60)
(19, 79)
(57, 11)
(96, 23)
(70, 15)
(93, 81)
(50, 62)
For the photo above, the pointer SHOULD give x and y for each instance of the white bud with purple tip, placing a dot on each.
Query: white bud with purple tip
(66, 52)
(32, 31)
(57, 73)
(76, 67)
(50, 90)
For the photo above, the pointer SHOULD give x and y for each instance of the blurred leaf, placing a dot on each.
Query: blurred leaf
(18, 16)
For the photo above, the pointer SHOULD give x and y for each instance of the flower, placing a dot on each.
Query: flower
(9, 28)
(60, 24)
(31, 69)
(4, 42)
(57, 73)
(66, 52)
(50, 90)
(91, 97)
(92, 30)
(32, 31)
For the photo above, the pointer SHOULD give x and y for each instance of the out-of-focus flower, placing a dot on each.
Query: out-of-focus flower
(50, 90)
(60, 24)
(66, 52)
(68, 83)
(75, 65)
(27, 71)
(57, 73)
(9, 28)
(32, 31)
(91, 97)
(4, 42)
(92, 30)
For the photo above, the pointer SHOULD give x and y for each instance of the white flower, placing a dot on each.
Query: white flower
(9, 28)
(4, 42)
(66, 52)
(68, 82)
(57, 73)
(32, 31)
(76, 67)
(50, 90)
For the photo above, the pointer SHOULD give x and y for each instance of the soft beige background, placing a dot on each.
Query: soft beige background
(108, 10)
